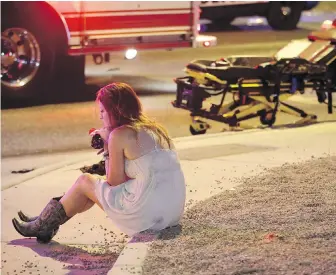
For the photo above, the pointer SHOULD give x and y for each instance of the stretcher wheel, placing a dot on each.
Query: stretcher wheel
(198, 127)
(267, 118)
(196, 132)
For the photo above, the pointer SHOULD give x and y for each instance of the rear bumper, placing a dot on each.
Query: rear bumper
(205, 41)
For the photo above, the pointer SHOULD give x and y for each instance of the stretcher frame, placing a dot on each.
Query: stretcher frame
(257, 91)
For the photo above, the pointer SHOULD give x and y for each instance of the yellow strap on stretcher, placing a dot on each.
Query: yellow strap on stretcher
(204, 77)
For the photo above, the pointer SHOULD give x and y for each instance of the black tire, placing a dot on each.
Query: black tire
(24, 19)
(39, 19)
(194, 132)
(278, 20)
(264, 120)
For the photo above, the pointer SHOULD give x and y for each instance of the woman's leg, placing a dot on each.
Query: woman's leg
(81, 196)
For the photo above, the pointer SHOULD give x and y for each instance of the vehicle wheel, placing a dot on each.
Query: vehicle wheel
(30, 51)
(195, 132)
(284, 15)
(266, 118)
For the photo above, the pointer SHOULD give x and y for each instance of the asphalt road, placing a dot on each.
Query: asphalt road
(54, 128)
(64, 126)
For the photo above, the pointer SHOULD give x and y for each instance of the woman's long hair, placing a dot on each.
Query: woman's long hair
(122, 103)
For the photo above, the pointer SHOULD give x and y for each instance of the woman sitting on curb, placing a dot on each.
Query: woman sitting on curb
(144, 187)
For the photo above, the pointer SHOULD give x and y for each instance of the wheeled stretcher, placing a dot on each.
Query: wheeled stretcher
(259, 87)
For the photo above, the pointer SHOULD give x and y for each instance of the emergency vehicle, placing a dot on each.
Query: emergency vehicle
(43, 40)
(280, 15)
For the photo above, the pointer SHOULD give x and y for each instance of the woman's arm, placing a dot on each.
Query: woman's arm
(106, 159)
(115, 159)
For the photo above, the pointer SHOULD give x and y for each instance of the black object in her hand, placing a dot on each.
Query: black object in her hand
(97, 142)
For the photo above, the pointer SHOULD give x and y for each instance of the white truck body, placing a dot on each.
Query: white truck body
(97, 26)
(47, 40)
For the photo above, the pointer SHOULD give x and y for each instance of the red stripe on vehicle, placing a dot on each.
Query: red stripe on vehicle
(101, 49)
(129, 22)
(140, 33)
(120, 11)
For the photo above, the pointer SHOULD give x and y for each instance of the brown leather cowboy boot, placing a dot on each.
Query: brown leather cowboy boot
(46, 225)
(27, 218)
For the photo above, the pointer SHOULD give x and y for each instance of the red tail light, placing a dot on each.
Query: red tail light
(206, 43)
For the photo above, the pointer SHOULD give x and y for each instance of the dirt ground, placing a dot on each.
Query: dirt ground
(280, 222)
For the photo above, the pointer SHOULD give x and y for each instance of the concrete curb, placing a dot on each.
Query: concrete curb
(132, 257)
(181, 143)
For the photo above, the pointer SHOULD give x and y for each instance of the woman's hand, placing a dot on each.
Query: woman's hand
(104, 134)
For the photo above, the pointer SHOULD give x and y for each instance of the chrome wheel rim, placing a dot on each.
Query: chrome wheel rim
(20, 57)
(286, 11)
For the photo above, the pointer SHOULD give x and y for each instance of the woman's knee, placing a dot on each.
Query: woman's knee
(85, 182)
(87, 185)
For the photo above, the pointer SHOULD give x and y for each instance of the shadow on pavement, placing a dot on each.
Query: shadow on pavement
(59, 95)
(149, 236)
(236, 28)
(78, 261)
(170, 233)
(242, 28)
(281, 127)
(71, 94)
(293, 125)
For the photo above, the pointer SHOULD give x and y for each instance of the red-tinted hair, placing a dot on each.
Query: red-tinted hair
(122, 103)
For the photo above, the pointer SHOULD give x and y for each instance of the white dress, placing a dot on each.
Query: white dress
(154, 199)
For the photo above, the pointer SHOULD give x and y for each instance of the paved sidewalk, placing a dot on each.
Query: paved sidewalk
(89, 243)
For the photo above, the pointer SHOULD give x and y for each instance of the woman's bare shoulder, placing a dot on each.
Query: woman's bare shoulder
(123, 133)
